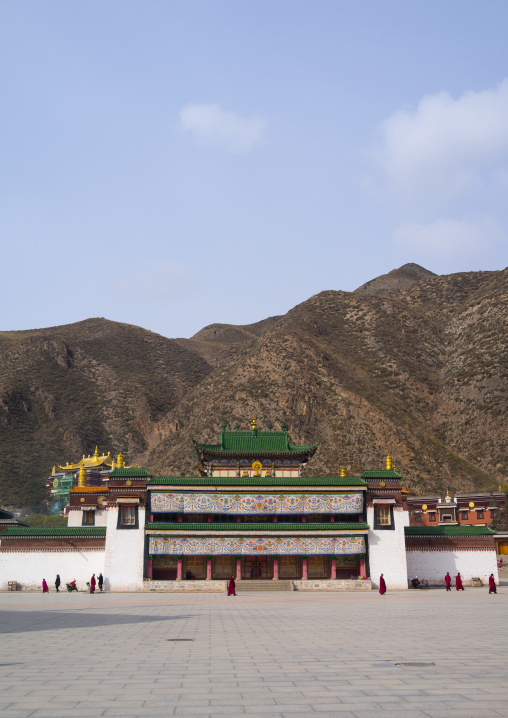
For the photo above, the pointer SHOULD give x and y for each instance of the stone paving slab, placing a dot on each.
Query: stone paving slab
(267, 655)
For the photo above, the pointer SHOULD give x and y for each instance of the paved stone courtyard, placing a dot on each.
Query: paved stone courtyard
(268, 655)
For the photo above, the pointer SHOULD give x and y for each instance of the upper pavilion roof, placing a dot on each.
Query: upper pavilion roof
(254, 443)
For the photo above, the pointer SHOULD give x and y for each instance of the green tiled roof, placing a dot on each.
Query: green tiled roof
(29, 531)
(265, 442)
(381, 474)
(121, 473)
(260, 481)
(248, 526)
(448, 531)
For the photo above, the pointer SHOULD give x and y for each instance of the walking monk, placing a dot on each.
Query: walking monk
(448, 580)
(458, 583)
(45, 588)
(492, 584)
(232, 587)
(92, 583)
(382, 585)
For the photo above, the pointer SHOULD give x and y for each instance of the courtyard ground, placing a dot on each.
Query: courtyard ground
(267, 655)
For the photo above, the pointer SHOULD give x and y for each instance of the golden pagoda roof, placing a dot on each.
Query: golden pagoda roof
(96, 461)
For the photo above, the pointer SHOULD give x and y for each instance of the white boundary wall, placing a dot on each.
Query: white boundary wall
(123, 563)
(432, 565)
(29, 567)
(387, 550)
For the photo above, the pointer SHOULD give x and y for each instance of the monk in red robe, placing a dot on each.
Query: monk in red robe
(458, 583)
(448, 581)
(92, 583)
(382, 585)
(492, 584)
(45, 588)
(231, 587)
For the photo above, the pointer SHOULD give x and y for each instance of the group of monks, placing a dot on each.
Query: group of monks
(448, 582)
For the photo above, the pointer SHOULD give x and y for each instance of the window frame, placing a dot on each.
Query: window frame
(135, 524)
(382, 526)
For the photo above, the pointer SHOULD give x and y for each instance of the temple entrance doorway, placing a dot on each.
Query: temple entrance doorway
(289, 567)
(223, 567)
(256, 567)
(317, 567)
(195, 567)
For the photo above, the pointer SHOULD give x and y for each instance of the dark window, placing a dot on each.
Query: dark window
(128, 517)
(432, 516)
(479, 514)
(383, 517)
(88, 518)
(464, 515)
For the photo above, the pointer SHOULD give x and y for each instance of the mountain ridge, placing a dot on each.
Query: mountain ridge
(418, 371)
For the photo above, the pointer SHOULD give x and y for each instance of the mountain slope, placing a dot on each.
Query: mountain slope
(416, 368)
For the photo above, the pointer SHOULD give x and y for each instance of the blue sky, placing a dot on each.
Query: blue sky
(173, 164)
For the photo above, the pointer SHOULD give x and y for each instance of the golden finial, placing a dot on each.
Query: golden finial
(113, 464)
(54, 470)
(253, 424)
(447, 494)
(388, 463)
(82, 477)
(96, 454)
(342, 472)
(120, 461)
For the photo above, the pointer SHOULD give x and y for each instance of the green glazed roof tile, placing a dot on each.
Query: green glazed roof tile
(260, 481)
(30, 531)
(448, 531)
(121, 473)
(265, 442)
(248, 526)
(381, 474)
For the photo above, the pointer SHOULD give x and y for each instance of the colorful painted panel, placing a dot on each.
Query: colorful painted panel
(248, 546)
(260, 503)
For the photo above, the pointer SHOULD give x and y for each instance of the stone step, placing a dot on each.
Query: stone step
(263, 585)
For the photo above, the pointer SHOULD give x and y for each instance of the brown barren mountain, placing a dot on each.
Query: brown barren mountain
(411, 364)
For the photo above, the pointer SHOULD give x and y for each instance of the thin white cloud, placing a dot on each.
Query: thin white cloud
(446, 146)
(212, 126)
(447, 237)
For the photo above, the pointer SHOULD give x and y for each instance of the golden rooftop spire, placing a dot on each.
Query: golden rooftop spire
(342, 472)
(388, 463)
(82, 477)
(253, 423)
(120, 461)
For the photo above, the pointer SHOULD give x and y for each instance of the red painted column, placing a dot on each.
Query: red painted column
(304, 569)
(333, 570)
(179, 570)
(332, 519)
(304, 519)
(238, 569)
(208, 569)
(275, 519)
(149, 569)
(238, 519)
(209, 519)
(151, 518)
(180, 519)
(362, 567)
(275, 569)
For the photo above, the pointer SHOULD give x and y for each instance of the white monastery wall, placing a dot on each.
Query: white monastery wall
(387, 550)
(432, 566)
(75, 518)
(123, 563)
(29, 567)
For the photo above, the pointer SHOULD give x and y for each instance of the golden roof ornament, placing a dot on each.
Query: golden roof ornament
(82, 477)
(253, 424)
(54, 469)
(342, 472)
(96, 454)
(388, 463)
(120, 462)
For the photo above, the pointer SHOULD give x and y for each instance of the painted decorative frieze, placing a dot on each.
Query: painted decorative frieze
(260, 503)
(274, 546)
